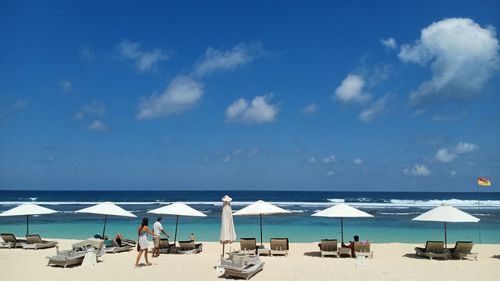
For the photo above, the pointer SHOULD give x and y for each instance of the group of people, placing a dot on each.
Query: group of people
(143, 242)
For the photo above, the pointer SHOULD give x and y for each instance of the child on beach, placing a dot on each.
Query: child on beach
(143, 242)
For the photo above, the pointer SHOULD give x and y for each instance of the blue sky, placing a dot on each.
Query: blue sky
(365, 95)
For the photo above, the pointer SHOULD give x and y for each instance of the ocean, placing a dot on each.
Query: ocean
(392, 213)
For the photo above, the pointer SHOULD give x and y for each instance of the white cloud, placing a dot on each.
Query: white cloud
(97, 126)
(95, 108)
(19, 105)
(330, 173)
(447, 155)
(215, 60)
(259, 110)
(351, 90)
(144, 61)
(227, 158)
(87, 55)
(374, 110)
(65, 85)
(312, 160)
(449, 118)
(183, 93)
(358, 161)
(389, 43)
(463, 147)
(310, 109)
(462, 57)
(417, 170)
(329, 159)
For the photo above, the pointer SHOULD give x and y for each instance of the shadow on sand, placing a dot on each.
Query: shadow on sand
(313, 254)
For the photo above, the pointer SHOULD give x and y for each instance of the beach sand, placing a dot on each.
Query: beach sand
(391, 261)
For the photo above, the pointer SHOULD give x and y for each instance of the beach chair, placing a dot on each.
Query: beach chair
(248, 244)
(189, 247)
(462, 250)
(112, 247)
(10, 241)
(241, 265)
(77, 254)
(433, 249)
(35, 242)
(279, 246)
(362, 248)
(166, 247)
(328, 247)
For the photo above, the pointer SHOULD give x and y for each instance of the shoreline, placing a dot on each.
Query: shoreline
(391, 261)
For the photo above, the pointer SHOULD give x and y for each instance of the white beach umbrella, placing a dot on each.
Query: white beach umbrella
(446, 213)
(27, 209)
(227, 231)
(260, 208)
(177, 209)
(342, 211)
(106, 209)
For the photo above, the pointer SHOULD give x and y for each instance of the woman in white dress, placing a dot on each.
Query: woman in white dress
(143, 243)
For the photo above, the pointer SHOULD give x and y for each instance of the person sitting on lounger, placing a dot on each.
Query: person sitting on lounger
(118, 239)
(351, 244)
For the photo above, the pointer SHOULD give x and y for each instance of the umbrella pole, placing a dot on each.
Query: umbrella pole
(223, 244)
(260, 229)
(27, 225)
(176, 224)
(104, 229)
(445, 238)
(342, 229)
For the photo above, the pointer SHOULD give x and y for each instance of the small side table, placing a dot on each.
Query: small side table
(264, 251)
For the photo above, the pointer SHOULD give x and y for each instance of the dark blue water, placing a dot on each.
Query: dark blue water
(393, 212)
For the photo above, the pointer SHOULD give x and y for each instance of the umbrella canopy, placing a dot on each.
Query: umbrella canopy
(106, 209)
(342, 211)
(177, 209)
(27, 209)
(260, 208)
(446, 213)
(227, 231)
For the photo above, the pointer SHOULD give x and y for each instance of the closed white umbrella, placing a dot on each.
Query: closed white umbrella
(27, 209)
(446, 213)
(260, 208)
(106, 209)
(177, 209)
(227, 231)
(342, 211)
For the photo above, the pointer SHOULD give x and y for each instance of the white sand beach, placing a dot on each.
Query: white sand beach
(391, 261)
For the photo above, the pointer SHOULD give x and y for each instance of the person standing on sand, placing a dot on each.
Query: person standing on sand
(143, 242)
(158, 230)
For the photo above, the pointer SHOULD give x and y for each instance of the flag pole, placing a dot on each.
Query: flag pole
(478, 210)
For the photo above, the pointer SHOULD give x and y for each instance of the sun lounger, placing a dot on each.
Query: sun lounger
(189, 247)
(248, 244)
(10, 241)
(433, 249)
(462, 250)
(76, 255)
(35, 242)
(279, 246)
(241, 265)
(362, 248)
(328, 247)
(166, 247)
(112, 247)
